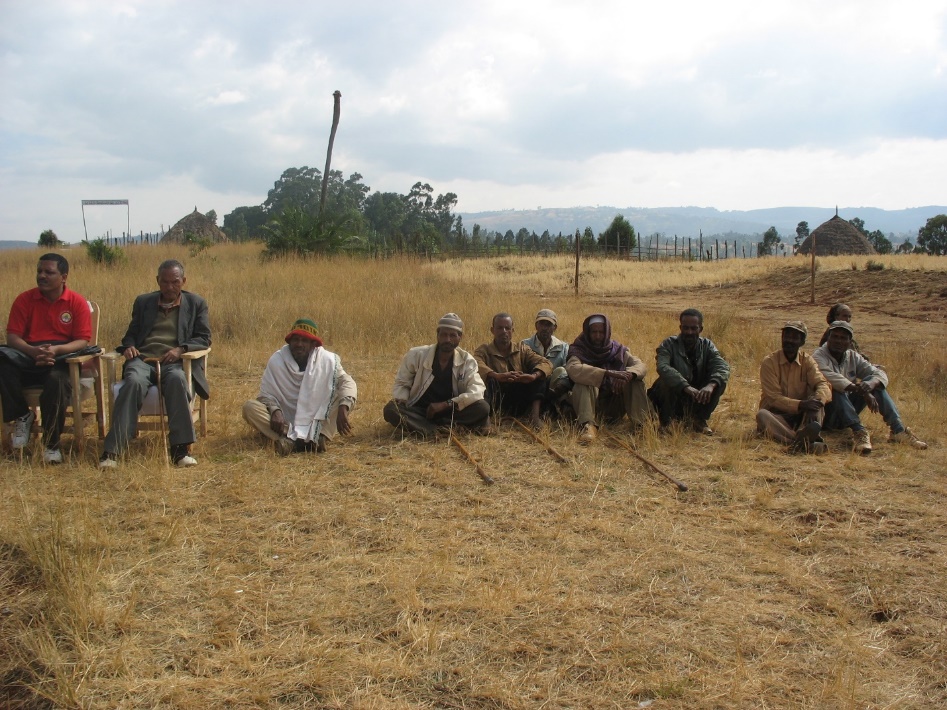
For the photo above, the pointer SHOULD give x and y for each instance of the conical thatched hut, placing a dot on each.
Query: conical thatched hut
(837, 236)
(196, 224)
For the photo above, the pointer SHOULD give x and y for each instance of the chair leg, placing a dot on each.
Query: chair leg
(100, 407)
(78, 432)
(202, 408)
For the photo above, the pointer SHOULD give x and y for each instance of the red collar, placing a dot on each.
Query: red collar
(38, 295)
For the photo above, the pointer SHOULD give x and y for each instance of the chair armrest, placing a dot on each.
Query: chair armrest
(83, 358)
(111, 357)
(195, 354)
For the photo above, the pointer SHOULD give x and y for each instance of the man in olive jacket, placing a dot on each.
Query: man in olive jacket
(692, 375)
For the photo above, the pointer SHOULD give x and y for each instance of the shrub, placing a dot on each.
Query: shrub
(873, 265)
(197, 244)
(297, 232)
(48, 239)
(101, 253)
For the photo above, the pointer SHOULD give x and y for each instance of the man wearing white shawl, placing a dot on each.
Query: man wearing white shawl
(305, 395)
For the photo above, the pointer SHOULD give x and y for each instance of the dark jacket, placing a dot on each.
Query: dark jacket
(675, 369)
(193, 329)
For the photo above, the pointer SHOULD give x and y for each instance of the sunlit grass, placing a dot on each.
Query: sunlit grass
(383, 574)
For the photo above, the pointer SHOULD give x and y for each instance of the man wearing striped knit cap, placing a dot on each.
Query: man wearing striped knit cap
(305, 396)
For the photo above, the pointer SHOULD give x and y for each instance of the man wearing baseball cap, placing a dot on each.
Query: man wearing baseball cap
(857, 384)
(305, 396)
(794, 394)
(438, 386)
(544, 342)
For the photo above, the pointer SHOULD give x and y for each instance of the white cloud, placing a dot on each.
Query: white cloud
(227, 98)
(731, 104)
(890, 175)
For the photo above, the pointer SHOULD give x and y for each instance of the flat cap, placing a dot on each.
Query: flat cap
(546, 314)
(843, 325)
(797, 325)
(452, 321)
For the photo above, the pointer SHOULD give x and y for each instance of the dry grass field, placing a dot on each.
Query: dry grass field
(385, 574)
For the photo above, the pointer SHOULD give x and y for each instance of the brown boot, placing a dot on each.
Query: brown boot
(588, 434)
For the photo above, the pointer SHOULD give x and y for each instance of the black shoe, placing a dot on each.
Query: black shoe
(180, 456)
(805, 438)
(309, 447)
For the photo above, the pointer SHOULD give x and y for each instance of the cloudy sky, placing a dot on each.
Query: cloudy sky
(733, 105)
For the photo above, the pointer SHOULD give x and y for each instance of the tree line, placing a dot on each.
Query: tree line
(931, 238)
(290, 221)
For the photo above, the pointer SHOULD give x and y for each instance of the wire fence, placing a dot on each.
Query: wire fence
(653, 248)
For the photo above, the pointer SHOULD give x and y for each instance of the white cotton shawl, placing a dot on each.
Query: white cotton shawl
(305, 396)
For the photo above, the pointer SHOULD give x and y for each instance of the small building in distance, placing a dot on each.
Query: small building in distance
(837, 236)
(198, 225)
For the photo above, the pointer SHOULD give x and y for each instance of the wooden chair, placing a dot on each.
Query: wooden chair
(148, 417)
(85, 373)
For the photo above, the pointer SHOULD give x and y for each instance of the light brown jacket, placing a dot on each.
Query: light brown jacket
(590, 375)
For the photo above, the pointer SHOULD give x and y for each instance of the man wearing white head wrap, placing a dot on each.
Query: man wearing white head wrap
(609, 381)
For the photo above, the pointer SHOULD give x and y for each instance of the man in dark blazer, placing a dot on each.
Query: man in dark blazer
(165, 324)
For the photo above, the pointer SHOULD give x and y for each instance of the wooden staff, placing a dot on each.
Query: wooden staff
(556, 455)
(680, 485)
(164, 429)
(463, 449)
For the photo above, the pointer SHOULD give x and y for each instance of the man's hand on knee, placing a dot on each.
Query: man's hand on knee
(278, 423)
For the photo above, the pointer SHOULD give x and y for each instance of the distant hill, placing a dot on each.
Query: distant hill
(152, 238)
(690, 221)
(17, 244)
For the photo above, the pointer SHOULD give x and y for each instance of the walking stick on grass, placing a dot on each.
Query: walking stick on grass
(555, 454)
(680, 485)
(463, 449)
(164, 428)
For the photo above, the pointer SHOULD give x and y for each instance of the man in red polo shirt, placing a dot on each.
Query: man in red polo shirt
(46, 324)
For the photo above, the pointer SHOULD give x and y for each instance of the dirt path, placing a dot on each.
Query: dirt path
(891, 304)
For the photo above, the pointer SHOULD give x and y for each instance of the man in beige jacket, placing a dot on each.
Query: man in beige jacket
(609, 381)
(438, 386)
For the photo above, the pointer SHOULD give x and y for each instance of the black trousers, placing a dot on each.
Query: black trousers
(672, 405)
(414, 418)
(53, 400)
(515, 398)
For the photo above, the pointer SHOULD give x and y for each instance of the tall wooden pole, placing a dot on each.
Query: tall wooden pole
(812, 296)
(578, 251)
(336, 110)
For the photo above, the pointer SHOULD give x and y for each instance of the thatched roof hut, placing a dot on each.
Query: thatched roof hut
(837, 236)
(198, 225)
